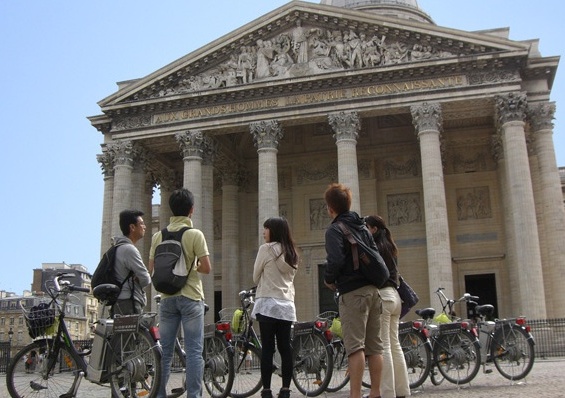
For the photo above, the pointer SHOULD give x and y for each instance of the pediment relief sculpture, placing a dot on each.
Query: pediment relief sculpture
(307, 49)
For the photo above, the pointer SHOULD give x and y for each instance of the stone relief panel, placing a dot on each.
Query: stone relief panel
(284, 211)
(406, 208)
(319, 218)
(469, 159)
(400, 167)
(302, 51)
(473, 203)
(307, 172)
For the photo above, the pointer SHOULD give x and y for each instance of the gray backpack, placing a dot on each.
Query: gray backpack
(170, 272)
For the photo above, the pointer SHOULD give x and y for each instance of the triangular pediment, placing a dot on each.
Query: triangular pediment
(300, 40)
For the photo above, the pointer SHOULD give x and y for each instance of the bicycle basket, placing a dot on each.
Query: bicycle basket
(40, 320)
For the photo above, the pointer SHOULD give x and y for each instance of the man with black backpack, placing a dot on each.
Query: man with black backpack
(129, 268)
(186, 306)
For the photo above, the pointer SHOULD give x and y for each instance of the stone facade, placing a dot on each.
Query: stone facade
(445, 133)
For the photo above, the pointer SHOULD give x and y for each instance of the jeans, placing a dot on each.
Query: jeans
(394, 380)
(173, 312)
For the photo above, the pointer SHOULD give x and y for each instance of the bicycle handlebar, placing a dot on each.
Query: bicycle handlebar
(59, 280)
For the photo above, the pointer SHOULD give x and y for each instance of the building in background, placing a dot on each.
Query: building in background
(445, 133)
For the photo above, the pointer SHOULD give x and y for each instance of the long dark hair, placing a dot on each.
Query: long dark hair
(280, 232)
(383, 238)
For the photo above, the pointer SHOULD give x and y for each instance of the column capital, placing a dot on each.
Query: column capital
(122, 152)
(106, 160)
(209, 150)
(541, 115)
(345, 125)
(427, 116)
(510, 107)
(191, 143)
(266, 134)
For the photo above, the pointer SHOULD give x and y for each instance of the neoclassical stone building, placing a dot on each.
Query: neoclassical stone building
(445, 133)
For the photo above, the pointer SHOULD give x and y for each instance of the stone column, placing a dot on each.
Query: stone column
(346, 126)
(191, 145)
(122, 152)
(525, 270)
(266, 136)
(141, 196)
(427, 119)
(553, 212)
(231, 283)
(167, 184)
(208, 154)
(106, 161)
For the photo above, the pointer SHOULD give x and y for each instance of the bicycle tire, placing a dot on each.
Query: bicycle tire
(435, 376)
(417, 355)
(512, 351)
(176, 382)
(135, 364)
(218, 366)
(457, 356)
(247, 370)
(35, 379)
(312, 363)
(340, 373)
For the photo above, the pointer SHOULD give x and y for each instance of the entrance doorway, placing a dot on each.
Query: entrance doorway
(483, 286)
(326, 297)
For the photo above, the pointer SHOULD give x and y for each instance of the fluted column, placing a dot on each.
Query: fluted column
(191, 145)
(122, 152)
(427, 119)
(208, 154)
(266, 136)
(346, 126)
(107, 164)
(141, 195)
(231, 283)
(167, 184)
(525, 270)
(553, 213)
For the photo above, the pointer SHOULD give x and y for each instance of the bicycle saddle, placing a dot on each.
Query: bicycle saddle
(426, 313)
(486, 309)
(106, 292)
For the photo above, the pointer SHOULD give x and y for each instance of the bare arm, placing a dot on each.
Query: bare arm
(204, 265)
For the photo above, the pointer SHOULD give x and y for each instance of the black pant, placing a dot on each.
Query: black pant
(272, 328)
(126, 307)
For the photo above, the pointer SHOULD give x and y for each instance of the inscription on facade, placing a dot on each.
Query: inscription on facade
(311, 98)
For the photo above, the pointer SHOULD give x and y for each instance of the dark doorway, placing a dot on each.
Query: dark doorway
(217, 305)
(483, 286)
(326, 296)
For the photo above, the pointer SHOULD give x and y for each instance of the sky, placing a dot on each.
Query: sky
(59, 58)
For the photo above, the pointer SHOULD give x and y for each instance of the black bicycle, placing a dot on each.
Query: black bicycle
(125, 353)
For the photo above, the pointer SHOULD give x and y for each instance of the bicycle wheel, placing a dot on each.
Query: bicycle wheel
(247, 370)
(176, 383)
(457, 355)
(218, 366)
(418, 357)
(312, 363)
(340, 373)
(30, 374)
(512, 351)
(135, 365)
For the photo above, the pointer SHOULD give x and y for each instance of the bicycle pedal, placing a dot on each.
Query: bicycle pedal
(487, 371)
(317, 382)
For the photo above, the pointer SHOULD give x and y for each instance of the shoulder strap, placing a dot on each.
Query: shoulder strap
(130, 275)
(352, 242)
(176, 235)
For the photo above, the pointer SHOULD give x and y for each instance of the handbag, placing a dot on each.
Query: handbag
(407, 295)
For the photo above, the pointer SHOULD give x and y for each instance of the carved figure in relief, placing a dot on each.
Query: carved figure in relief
(300, 43)
(245, 65)
(264, 56)
(355, 42)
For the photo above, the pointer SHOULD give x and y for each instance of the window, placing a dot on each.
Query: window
(11, 321)
(2, 321)
(21, 321)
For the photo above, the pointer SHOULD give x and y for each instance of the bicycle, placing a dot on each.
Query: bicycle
(340, 372)
(455, 349)
(312, 355)
(505, 342)
(218, 362)
(125, 353)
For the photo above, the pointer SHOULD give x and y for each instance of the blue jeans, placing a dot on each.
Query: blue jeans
(174, 311)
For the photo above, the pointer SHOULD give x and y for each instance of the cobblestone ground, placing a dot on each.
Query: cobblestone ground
(545, 381)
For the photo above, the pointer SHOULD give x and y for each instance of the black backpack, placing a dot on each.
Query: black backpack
(366, 259)
(169, 268)
(106, 272)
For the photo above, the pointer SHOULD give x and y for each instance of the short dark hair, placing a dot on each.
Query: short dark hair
(181, 202)
(338, 197)
(128, 217)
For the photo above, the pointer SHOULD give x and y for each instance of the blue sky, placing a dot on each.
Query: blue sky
(59, 58)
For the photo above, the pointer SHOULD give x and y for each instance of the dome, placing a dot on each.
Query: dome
(405, 9)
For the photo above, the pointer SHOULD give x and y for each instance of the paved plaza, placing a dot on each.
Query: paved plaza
(545, 381)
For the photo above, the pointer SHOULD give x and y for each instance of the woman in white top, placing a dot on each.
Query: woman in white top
(274, 270)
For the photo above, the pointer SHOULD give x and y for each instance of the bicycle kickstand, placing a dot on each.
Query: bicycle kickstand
(73, 392)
